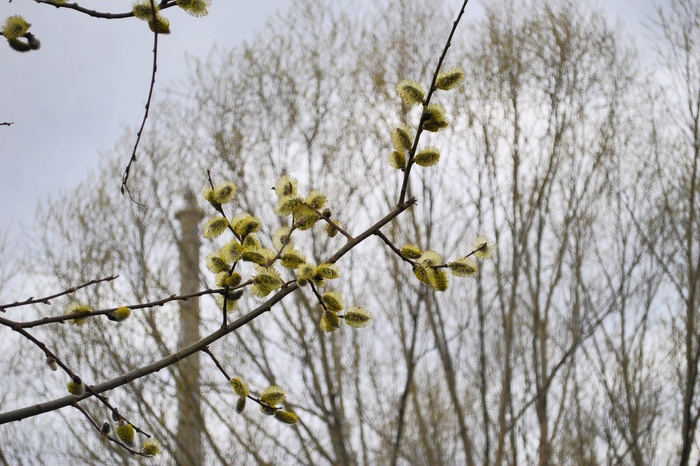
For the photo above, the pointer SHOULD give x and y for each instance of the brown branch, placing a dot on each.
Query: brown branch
(148, 106)
(108, 437)
(228, 378)
(7, 123)
(216, 361)
(97, 14)
(334, 225)
(160, 302)
(396, 250)
(41, 408)
(156, 366)
(51, 356)
(412, 152)
(47, 299)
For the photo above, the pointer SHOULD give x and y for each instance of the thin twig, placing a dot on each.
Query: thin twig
(411, 154)
(47, 299)
(160, 302)
(148, 106)
(396, 250)
(223, 371)
(216, 361)
(108, 437)
(97, 14)
(50, 355)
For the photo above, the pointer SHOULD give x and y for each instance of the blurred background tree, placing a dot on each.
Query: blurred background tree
(577, 344)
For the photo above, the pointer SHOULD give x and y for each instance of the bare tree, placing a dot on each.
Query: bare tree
(673, 234)
(547, 82)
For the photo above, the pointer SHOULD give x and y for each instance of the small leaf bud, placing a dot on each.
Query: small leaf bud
(151, 447)
(286, 186)
(215, 226)
(483, 247)
(15, 27)
(195, 7)
(333, 301)
(76, 387)
(120, 314)
(268, 410)
(106, 428)
(331, 229)
(287, 417)
(329, 322)
(329, 271)
(402, 138)
(427, 157)
(397, 159)
(410, 91)
(77, 309)
(316, 200)
(357, 317)
(410, 251)
(125, 432)
(240, 386)
(434, 118)
(240, 404)
(161, 25)
(273, 395)
(51, 362)
(465, 267)
(447, 80)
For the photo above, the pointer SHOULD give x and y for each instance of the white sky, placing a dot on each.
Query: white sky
(90, 80)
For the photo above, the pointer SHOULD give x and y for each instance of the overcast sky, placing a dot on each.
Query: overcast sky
(90, 80)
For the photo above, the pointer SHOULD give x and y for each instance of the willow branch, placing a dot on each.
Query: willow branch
(148, 106)
(108, 437)
(160, 302)
(411, 154)
(41, 408)
(98, 14)
(47, 299)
